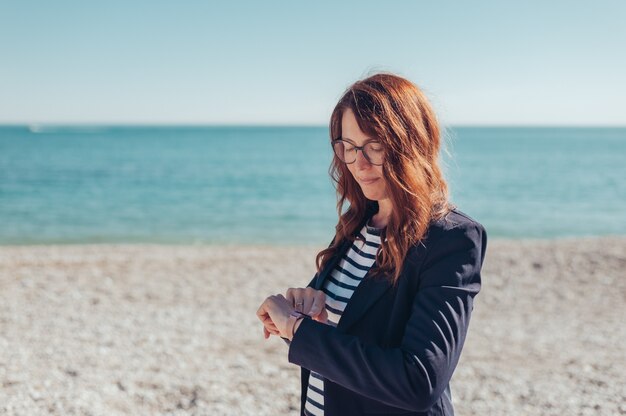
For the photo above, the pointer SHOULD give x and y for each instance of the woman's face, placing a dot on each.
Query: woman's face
(368, 176)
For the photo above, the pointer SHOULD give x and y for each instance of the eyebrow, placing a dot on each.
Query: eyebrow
(353, 142)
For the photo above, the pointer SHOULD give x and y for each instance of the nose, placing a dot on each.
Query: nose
(361, 162)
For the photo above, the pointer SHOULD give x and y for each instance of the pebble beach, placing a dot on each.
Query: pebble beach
(171, 330)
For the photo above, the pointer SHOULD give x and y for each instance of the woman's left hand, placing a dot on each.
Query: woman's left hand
(274, 313)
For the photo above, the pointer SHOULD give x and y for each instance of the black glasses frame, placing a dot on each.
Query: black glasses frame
(357, 148)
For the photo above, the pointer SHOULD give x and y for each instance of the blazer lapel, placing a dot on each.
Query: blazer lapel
(332, 263)
(364, 296)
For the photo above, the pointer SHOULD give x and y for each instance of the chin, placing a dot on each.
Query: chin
(374, 195)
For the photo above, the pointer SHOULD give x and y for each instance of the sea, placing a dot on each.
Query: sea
(270, 185)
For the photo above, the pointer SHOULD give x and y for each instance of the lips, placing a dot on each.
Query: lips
(368, 181)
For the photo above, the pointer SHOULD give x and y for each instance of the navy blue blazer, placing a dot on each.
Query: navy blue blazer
(395, 348)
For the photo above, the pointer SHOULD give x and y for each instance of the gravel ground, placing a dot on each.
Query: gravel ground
(172, 330)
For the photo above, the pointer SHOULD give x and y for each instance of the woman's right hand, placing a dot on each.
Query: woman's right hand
(309, 301)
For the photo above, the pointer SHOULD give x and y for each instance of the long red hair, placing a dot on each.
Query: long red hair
(397, 113)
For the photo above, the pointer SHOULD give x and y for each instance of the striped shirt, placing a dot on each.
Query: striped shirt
(339, 287)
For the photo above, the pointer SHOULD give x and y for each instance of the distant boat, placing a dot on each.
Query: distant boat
(36, 128)
(71, 129)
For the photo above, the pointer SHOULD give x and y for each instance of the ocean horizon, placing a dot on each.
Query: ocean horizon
(253, 184)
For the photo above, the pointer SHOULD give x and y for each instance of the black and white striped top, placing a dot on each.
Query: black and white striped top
(339, 287)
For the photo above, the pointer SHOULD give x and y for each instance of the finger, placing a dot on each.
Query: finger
(323, 316)
(271, 329)
(319, 303)
(307, 304)
(266, 334)
(270, 326)
(262, 309)
(299, 304)
(294, 297)
(268, 322)
(264, 317)
(315, 308)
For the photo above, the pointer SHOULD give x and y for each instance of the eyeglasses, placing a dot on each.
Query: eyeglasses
(346, 151)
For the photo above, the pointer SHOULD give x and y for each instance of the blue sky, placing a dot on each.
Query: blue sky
(271, 62)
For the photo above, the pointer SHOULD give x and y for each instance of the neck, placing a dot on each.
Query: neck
(381, 218)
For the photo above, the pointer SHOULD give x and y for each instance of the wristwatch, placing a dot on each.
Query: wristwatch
(294, 317)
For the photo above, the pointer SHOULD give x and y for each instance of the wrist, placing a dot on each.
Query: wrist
(293, 323)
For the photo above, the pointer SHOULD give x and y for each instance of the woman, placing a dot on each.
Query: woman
(380, 328)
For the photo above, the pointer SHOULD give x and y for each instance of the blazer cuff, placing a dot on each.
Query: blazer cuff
(302, 346)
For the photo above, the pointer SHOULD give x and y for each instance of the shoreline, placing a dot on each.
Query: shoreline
(288, 244)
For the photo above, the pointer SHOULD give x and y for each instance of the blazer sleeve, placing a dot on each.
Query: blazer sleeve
(414, 375)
